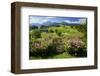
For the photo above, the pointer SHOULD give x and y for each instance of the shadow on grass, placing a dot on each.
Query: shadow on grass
(52, 53)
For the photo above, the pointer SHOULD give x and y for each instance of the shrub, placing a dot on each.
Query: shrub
(58, 44)
(51, 31)
(38, 48)
(77, 47)
(47, 47)
(36, 34)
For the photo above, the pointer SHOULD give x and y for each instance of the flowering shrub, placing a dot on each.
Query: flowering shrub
(38, 48)
(77, 47)
(46, 47)
(75, 43)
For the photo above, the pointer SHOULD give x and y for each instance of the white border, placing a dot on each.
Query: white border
(49, 63)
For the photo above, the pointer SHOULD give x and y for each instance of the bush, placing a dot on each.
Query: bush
(51, 31)
(47, 47)
(77, 47)
(36, 34)
(58, 44)
(38, 49)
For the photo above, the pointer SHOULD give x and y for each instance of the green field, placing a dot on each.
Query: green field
(63, 41)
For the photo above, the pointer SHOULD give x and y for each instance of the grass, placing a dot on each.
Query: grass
(57, 56)
(63, 55)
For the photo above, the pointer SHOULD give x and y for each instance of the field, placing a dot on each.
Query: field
(57, 41)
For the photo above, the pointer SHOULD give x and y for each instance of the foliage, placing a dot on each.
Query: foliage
(77, 47)
(57, 41)
(36, 33)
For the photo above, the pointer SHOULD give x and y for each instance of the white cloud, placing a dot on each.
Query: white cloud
(72, 22)
(34, 19)
(39, 19)
(83, 21)
(68, 21)
(80, 21)
(42, 21)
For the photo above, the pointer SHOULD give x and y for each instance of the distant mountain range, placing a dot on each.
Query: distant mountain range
(48, 23)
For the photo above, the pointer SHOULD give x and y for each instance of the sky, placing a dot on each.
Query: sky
(43, 19)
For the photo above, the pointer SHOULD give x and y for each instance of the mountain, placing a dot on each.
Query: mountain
(35, 24)
(49, 23)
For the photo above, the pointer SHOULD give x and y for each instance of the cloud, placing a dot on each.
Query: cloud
(83, 21)
(72, 22)
(42, 21)
(79, 21)
(68, 21)
(39, 19)
(34, 19)
(45, 19)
